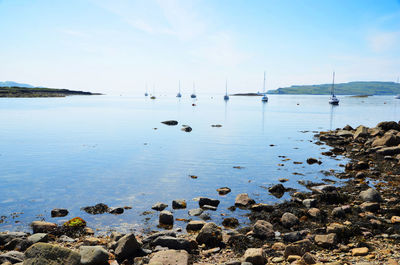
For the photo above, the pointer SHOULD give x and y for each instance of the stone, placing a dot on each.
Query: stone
(43, 227)
(12, 257)
(210, 235)
(207, 201)
(170, 122)
(289, 220)
(263, 229)
(277, 190)
(338, 229)
(312, 160)
(292, 258)
(159, 206)
(7, 237)
(178, 204)
(277, 260)
(326, 241)
(361, 131)
(388, 125)
(44, 253)
(294, 236)
(152, 237)
(99, 208)
(170, 257)
(93, 255)
(278, 246)
(389, 151)
(338, 212)
(255, 256)
(243, 200)
(223, 190)
(92, 241)
(323, 188)
(186, 128)
(195, 212)
(370, 195)
(344, 133)
(314, 213)
(310, 203)
(195, 225)
(172, 243)
(38, 237)
(370, 206)
(127, 247)
(359, 251)
(262, 207)
(308, 258)
(116, 210)
(58, 212)
(166, 218)
(387, 140)
(65, 239)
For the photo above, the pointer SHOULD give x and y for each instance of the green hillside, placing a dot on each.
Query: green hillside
(35, 92)
(351, 88)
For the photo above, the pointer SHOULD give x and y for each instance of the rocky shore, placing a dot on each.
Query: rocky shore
(355, 223)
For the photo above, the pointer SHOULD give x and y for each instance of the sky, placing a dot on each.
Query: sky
(120, 46)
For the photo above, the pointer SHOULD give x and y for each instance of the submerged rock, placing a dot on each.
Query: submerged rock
(195, 212)
(159, 206)
(99, 208)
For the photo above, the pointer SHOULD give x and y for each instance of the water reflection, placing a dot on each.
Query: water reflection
(332, 116)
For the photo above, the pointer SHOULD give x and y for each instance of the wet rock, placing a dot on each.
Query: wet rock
(312, 160)
(152, 237)
(310, 203)
(170, 257)
(339, 229)
(277, 190)
(43, 227)
(209, 207)
(117, 210)
(388, 125)
(230, 222)
(172, 243)
(243, 200)
(195, 225)
(207, 201)
(186, 128)
(205, 216)
(255, 256)
(93, 255)
(38, 237)
(127, 247)
(44, 253)
(195, 212)
(361, 131)
(288, 220)
(323, 188)
(263, 229)
(166, 218)
(170, 122)
(326, 241)
(359, 251)
(210, 235)
(370, 206)
(223, 190)
(370, 195)
(12, 257)
(58, 212)
(99, 208)
(92, 241)
(159, 206)
(262, 207)
(178, 204)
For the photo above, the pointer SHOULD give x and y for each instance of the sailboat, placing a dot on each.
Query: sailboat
(193, 95)
(179, 95)
(226, 97)
(398, 96)
(333, 100)
(264, 98)
(146, 94)
(154, 92)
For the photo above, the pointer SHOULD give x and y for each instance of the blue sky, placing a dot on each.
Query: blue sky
(117, 46)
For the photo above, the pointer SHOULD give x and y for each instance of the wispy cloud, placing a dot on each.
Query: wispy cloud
(384, 41)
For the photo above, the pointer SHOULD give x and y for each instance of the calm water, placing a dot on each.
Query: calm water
(79, 151)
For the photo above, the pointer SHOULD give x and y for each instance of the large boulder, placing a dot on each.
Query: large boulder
(388, 125)
(93, 255)
(44, 253)
(43, 227)
(386, 140)
(389, 151)
(210, 235)
(127, 247)
(361, 131)
(170, 257)
(243, 200)
(370, 195)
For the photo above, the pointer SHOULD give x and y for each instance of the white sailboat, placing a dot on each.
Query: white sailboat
(146, 94)
(398, 96)
(333, 99)
(153, 96)
(179, 95)
(226, 97)
(193, 95)
(264, 98)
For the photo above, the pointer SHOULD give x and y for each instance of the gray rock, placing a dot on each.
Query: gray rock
(65, 239)
(152, 237)
(127, 247)
(18, 243)
(172, 243)
(178, 204)
(159, 206)
(210, 235)
(170, 257)
(205, 216)
(93, 255)
(7, 237)
(195, 212)
(243, 200)
(12, 257)
(38, 237)
(255, 256)
(295, 236)
(370, 195)
(44, 253)
(338, 212)
(263, 229)
(207, 201)
(116, 210)
(388, 125)
(59, 212)
(288, 220)
(323, 188)
(166, 218)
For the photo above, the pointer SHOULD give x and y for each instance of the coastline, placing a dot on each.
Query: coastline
(329, 224)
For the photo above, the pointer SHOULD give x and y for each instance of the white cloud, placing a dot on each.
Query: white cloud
(384, 41)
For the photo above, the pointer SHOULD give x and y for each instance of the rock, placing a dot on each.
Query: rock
(65, 239)
(263, 229)
(170, 123)
(389, 151)
(205, 216)
(44, 253)
(178, 204)
(127, 247)
(361, 165)
(152, 237)
(361, 131)
(387, 140)
(288, 220)
(308, 258)
(309, 203)
(314, 213)
(359, 251)
(195, 225)
(186, 128)
(277, 190)
(93, 255)
(75, 222)
(99, 208)
(209, 207)
(344, 133)
(348, 128)
(292, 258)
(294, 236)
(370, 206)
(230, 222)
(195, 212)
(92, 241)
(388, 125)
(166, 218)
(38, 237)
(43, 227)
(59, 212)
(277, 260)
(338, 212)
(278, 246)
(12, 257)
(395, 219)
(312, 160)
(326, 241)
(255, 256)
(207, 201)
(370, 195)
(159, 206)
(210, 235)
(116, 210)
(170, 257)
(172, 243)
(243, 200)
(262, 207)
(323, 188)
(7, 237)
(223, 190)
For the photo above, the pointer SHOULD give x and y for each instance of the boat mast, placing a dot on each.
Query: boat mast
(226, 87)
(194, 89)
(179, 86)
(264, 84)
(333, 84)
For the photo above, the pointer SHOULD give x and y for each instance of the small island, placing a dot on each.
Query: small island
(38, 92)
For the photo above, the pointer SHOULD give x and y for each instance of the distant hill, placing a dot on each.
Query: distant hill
(38, 92)
(14, 84)
(351, 88)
